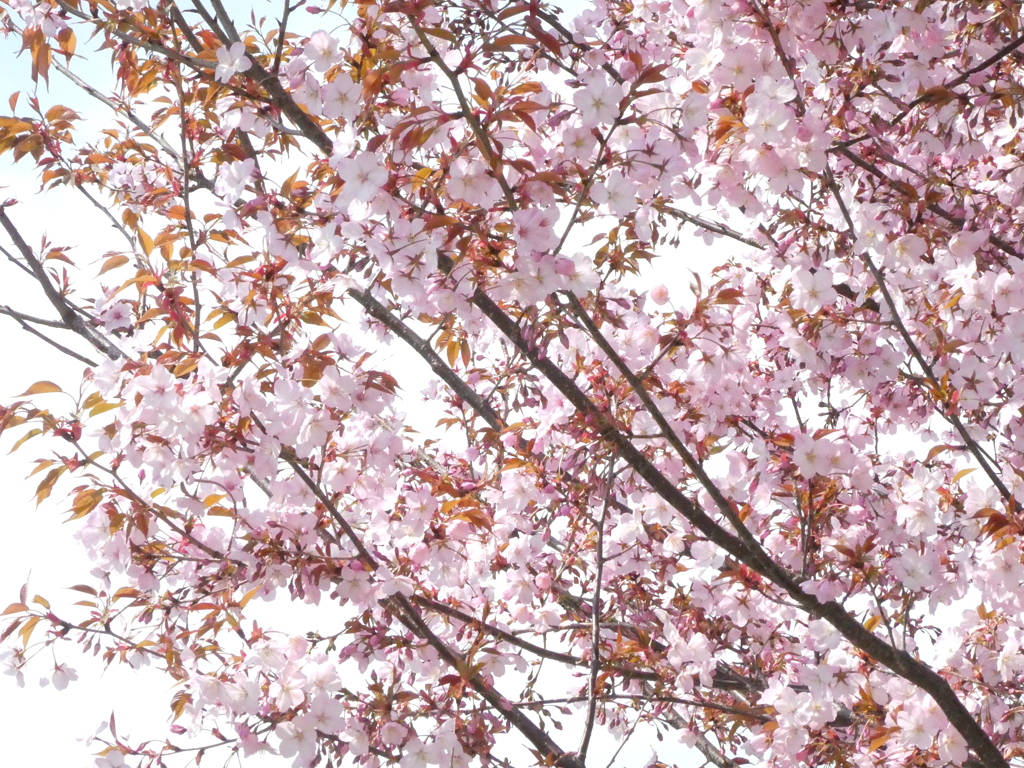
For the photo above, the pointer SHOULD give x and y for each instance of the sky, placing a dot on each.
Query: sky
(46, 726)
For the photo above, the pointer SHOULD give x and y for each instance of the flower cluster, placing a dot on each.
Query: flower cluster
(386, 343)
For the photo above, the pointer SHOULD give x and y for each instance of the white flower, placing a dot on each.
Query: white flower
(812, 290)
(363, 175)
(112, 759)
(12, 662)
(342, 98)
(232, 178)
(598, 103)
(915, 570)
(231, 60)
(618, 193)
(470, 182)
(321, 50)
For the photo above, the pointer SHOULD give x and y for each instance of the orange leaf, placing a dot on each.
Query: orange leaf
(146, 241)
(115, 261)
(41, 388)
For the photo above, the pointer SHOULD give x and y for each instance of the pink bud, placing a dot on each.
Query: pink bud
(659, 295)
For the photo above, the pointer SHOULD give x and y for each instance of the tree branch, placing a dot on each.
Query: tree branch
(595, 620)
(71, 319)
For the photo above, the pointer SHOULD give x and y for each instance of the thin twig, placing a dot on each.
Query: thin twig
(595, 619)
(483, 141)
(56, 345)
(281, 35)
(707, 224)
(915, 351)
(6, 310)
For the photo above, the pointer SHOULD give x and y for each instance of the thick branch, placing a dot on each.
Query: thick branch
(900, 662)
(403, 609)
(378, 311)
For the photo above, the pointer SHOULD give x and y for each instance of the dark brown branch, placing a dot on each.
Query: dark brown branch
(900, 662)
(71, 319)
(378, 311)
(403, 609)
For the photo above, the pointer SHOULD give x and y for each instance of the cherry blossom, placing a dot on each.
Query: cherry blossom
(814, 289)
(341, 98)
(475, 383)
(598, 103)
(232, 178)
(471, 183)
(322, 50)
(363, 175)
(230, 61)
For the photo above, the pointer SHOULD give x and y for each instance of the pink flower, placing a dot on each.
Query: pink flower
(916, 570)
(117, 316)
(113, 758)
(767, 122)
(702, 60)
(598, 102)
(906, 250)
(158, 389)
(579, 143)
(534, 229)
(659, 295)
(342, 98)
(324, 715)
(470, 182)
(812, 290)
(813, 457)
(231, 60)
(364, 175)
(298, 740)
(393, 733)
(288, 690)
(322, 51)
(918, 726)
